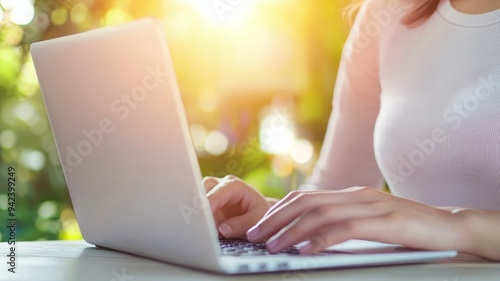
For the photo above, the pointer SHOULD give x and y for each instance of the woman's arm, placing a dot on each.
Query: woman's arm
(325, 218)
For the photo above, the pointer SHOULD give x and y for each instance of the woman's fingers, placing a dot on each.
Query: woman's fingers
(300, 202)
(281, 217)
(373, 228)
(357, 193)
(324, 218)
(209, 183)
(225, 193)
(238, 226)
(232, 200)
(312, 221)
(393, 220)
(290, 196)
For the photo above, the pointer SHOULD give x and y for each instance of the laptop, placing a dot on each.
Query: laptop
(124, 143)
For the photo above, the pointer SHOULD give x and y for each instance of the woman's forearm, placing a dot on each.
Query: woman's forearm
(481, 231)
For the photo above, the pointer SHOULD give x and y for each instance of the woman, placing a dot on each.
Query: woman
(417, 103)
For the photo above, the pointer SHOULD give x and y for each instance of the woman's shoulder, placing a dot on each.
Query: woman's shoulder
(392, 9)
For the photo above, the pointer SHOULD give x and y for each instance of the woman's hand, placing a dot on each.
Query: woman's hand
(236, 205)
(325, 218)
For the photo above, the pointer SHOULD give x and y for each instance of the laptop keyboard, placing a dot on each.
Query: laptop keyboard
(245, 248)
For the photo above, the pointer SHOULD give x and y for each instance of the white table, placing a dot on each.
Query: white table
(77, 260)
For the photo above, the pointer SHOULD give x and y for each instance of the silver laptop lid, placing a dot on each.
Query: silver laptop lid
(123, 140)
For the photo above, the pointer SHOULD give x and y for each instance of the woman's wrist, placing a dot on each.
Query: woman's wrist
(479, 232)
(465, 236)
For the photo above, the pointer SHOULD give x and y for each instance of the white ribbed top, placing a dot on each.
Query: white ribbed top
(419, 107)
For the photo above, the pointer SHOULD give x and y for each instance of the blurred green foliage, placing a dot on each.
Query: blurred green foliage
(293, 49)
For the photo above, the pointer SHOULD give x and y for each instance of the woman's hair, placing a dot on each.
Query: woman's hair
(421, 10)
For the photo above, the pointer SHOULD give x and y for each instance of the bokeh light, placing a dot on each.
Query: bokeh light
(116, 16)
(42, 21)
(8, 4)
(59, 16)
(47, 209)
(7, 139)
(32, 159)
(26, 112)
(79, 13)
(216, 143)
(22, 12)
(302, 151)
(229, 13)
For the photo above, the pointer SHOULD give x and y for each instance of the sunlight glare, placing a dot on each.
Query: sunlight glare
(228, 12)
(116, 16)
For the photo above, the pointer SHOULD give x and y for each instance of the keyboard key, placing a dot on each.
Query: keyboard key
(245, 248)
